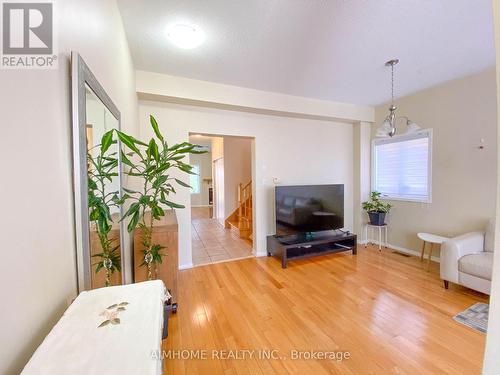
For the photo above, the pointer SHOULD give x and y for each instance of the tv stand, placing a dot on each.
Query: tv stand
(300, 246)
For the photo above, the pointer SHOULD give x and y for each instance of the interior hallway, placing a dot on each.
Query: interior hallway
(211, 242)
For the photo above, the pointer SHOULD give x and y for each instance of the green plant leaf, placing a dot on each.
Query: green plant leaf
(177, 158)
(134, 207)
(157, 248)
(105, 323)
(120, 201)
(159, 182)
(92, 184)
(375, 204)
(162, 168)
(128, 141)
(182, 183)
(144, 199)
(186, 168)
(172, 204)
(156, 128)
(157, 212)
(106, 141)
(98, 267)
(133, 222)
(126, 160)
(130, 191)
(115, 321)
(179, 145)
(153, 149)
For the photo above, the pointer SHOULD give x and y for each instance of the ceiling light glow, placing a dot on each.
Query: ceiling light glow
(185, 36)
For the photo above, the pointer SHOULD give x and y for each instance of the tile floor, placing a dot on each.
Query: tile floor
(212, 243)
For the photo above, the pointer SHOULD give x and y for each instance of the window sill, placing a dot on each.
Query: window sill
(400, 199)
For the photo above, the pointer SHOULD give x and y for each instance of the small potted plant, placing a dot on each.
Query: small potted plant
(376, 209)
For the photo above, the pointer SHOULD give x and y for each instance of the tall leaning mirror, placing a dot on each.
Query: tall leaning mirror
(97, 181)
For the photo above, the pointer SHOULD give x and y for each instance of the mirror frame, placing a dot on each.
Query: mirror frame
(81, 76)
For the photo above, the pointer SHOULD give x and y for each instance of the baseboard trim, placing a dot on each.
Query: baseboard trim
(186, 266)
(404, 250)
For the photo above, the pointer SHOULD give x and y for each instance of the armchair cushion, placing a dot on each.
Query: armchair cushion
(456, 248)
(489, 237)
(479, 265)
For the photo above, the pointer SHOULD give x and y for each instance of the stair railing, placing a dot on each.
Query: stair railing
(245, 203)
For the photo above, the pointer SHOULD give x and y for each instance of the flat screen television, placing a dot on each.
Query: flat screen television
(308, 208)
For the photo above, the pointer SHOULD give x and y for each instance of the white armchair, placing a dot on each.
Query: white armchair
(468, 260)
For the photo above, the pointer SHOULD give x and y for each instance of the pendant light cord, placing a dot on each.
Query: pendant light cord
(392, 84)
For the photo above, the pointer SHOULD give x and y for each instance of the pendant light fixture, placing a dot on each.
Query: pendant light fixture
(388, 127)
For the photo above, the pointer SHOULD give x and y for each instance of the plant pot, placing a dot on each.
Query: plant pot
(377, 218)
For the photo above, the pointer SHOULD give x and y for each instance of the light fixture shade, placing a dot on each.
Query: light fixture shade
(388, 128)
(385, 129)
(412, 127)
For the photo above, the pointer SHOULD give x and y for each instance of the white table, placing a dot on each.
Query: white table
(78, 346)
(381, 228)
(432, 239)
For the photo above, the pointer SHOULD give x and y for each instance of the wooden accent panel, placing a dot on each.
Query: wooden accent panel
(165, 233)
(392, 315)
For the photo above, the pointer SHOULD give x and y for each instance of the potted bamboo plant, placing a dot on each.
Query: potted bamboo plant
(153, 163)
(100, 172)
(376, 209)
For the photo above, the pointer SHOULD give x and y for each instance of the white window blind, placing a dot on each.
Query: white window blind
(402, 167)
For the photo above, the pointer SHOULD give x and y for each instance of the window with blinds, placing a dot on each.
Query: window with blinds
(194, 179)
(402, 167)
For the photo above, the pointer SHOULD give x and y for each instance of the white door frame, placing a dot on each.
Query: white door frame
(218, 186)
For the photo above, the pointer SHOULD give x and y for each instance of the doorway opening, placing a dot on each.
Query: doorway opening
(221, 199)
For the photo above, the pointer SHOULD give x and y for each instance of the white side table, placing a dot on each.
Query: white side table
(381, 228)
(432, 239)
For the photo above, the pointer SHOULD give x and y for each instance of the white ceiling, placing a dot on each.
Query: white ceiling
(326, 49)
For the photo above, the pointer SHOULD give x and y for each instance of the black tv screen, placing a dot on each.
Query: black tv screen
(309, 208)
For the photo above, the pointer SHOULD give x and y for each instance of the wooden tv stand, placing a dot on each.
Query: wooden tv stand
(298, 246)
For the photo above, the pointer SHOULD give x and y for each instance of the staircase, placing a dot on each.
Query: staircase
(241, 219)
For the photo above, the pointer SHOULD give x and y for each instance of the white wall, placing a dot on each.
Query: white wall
(38, 272)
(218, 178)
(491, 357)
(296, 151)
(362, 173)
(460, 112)
(217, 148)
(237, 170)
(156, 86)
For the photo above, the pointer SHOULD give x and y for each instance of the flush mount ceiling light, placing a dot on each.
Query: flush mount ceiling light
(388, 127)
(185, 36)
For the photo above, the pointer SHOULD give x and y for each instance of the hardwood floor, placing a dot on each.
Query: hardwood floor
(386, 310)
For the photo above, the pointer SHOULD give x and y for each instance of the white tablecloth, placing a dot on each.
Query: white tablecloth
(77, 346)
